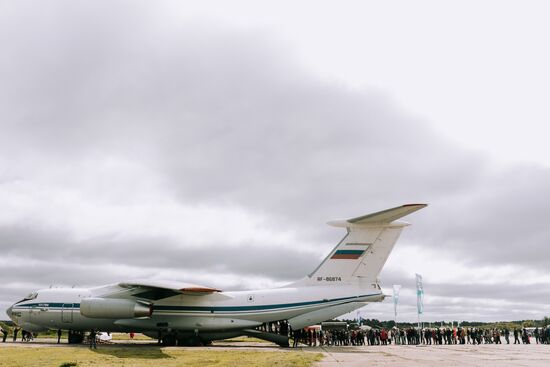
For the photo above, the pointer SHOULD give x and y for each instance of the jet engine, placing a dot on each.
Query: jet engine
(107, 308)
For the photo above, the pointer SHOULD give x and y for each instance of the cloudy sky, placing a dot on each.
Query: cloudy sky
(210, 142)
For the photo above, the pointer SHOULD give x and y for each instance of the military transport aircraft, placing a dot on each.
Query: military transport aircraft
(184, 313)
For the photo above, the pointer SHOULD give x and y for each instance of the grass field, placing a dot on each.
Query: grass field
(149, 356)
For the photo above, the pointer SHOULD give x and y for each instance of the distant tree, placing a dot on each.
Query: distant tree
(529, 323)
(5, 327)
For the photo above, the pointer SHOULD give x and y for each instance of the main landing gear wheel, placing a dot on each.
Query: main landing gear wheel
(169, 340)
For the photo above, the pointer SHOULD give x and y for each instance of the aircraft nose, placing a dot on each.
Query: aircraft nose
(8, 311)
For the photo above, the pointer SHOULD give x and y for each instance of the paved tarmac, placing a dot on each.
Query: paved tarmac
(441, 355)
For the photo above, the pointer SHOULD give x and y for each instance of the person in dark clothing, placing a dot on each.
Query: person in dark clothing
(526, 337)
(5, 335)
(516, 336)
(93, 342)
(58, 336)
(297, 336)
(15, 331)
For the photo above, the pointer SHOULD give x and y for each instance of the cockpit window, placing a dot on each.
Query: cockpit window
(32, 295)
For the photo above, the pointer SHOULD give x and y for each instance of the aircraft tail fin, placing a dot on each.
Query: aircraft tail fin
(361, 254)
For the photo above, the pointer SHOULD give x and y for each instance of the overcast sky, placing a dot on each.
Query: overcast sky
(210, 142)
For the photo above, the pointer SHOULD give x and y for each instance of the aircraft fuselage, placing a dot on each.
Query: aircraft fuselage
(59, 308)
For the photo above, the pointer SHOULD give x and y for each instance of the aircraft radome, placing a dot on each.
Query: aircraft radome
(187, 314)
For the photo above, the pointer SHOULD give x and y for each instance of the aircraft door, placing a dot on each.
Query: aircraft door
(67, 313)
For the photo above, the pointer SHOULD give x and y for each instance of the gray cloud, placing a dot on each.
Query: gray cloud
(503, 221)
(50, 247)
(165, 97)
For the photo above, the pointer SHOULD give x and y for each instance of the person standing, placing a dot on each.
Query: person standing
(497, 337)
(516, 336)
(5, 334)
(383, 337)
(526, 337)
(93, 341)
(296, 335)
(58, 336)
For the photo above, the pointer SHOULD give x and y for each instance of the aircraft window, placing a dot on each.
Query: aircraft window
(33, 295)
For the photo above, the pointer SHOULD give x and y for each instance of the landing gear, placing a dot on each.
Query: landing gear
(192, 341)
(169, 340)
(76, 337)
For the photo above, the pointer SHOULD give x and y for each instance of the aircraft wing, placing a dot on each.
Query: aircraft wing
(158, 289)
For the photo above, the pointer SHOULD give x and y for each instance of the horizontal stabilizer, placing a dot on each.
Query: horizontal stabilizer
(271, 337)
(381, 217)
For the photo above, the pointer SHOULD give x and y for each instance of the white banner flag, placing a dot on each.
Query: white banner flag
(396, 289)
(419, 294)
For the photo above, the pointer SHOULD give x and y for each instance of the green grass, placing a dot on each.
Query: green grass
(150, 356)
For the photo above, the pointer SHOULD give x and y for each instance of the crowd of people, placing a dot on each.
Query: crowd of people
(415, 336)
(344, 336)
(26, 336)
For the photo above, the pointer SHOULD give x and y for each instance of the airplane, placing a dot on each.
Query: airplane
(180, 313)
